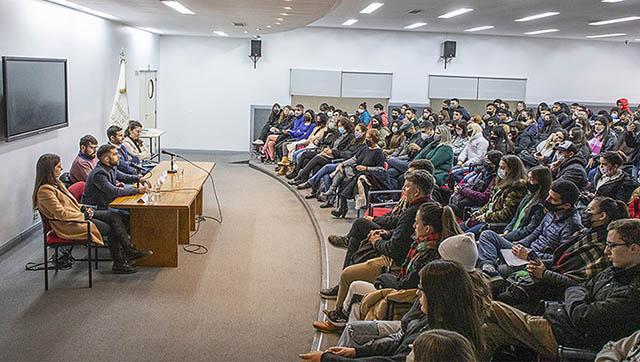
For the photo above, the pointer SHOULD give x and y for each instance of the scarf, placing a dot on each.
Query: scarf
(418, 249)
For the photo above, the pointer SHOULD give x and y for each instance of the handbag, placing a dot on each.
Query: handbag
(365, 252)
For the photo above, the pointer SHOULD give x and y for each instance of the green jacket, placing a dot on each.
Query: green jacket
(503, 203)
(442, 158)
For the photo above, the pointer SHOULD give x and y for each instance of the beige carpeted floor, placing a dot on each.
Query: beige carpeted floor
(251, 298)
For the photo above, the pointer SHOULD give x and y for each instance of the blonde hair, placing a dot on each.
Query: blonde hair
(475, 128)
(445, 134)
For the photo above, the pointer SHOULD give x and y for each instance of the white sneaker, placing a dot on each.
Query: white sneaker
(258, 142)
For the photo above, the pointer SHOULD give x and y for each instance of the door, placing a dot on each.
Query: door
(148, 96)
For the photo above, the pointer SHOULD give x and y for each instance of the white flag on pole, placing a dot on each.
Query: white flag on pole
(120, 109)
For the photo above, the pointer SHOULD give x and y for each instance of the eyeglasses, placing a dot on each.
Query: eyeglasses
(611, 245)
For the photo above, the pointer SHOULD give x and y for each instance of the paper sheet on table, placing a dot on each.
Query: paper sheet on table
(511, 259)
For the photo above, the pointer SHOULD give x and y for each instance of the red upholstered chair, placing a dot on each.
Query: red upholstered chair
(77, 190)
(52, 240)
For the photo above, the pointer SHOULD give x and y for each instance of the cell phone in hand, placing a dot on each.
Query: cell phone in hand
(533, 256)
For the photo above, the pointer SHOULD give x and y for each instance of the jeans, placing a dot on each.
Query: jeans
(324, 171)
(295, 154)
(358, 333)
(475, 229)
(396, 168)
(489, 246)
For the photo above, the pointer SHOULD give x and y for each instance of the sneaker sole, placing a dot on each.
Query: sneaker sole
(328, 297)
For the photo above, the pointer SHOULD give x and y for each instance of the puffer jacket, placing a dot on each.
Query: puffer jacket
(573, 170)
(504, 202)
(552, 232)
(529, 222)
(475, 151)
(604, 308)
(619, 188)
(528, 139)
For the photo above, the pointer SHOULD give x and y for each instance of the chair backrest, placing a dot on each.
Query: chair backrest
(77, 190)
(66, 179)
(46, 225)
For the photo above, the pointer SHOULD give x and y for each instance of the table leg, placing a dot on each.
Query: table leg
(156, 229)
(192, 215)
(184, 225)
(199, 203)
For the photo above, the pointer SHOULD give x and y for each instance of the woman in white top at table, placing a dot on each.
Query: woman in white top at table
(133, 143)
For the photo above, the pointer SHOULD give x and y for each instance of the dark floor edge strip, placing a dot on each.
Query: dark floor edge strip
(324, 252)
(16, 240)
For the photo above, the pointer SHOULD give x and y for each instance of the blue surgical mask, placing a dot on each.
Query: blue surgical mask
(358, 134)
(341, 130)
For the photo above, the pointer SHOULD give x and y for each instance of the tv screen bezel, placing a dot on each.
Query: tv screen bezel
(5, 111)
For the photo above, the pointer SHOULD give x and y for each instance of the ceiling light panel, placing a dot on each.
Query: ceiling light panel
(605, 35)
(538, 16)
(415, 25)
(220, 33)
(84, 9)
(545, 31)
(480, 28)
(455, 13)
(613, 21)
(371, 8)
(350, 22)
(178, 7)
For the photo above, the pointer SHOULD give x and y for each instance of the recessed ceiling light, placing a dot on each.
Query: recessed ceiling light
(350, 22)
(85, 9)
(278, 23)
(415, 25)
(611, 1)
(280, 19)
(538, 16)
(605, 35)
(269, 26)
(288, 8)
(284, 14)
(371, 8)
(455, 13)
(479, 28)
(220, 33)
(178, 7)
(613, 21)
(541, 31)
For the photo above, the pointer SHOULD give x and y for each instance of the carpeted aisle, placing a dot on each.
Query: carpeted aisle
(251, 298)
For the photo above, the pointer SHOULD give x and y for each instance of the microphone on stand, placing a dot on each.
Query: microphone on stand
(173, 156)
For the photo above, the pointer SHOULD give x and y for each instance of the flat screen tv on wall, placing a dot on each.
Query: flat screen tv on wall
(34, 96)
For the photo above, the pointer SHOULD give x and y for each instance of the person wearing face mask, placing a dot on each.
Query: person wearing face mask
(368, 160)
(602, 140)
(509, 189)
(414, 142)
(396, 140)
(378, 110)
(578, 260)
(529, 136)
(440, 153)
(310, 152)
(299, 132)
(602, 309)
(474, 189)
(279, 134)
(569, 165)
(376, 123)
(460, 137)
(476, 149)
(274, 121)
(560, 222)
(363, 115)
(611, 180)
(294, 148)
(396, 114)
(320, 165)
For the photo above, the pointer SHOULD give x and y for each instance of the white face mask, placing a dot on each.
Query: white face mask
(424, 136)
(502, 173)
(329, 114)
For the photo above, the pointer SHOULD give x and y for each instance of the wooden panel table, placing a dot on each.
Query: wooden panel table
(161, 224)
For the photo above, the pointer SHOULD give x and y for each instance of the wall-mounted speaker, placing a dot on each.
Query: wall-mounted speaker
(256, 48)
(449, 49)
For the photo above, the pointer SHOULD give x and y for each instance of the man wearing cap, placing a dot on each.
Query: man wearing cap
(569, 165)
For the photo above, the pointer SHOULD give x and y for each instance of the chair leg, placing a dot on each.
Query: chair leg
(95, 254)
(55, 263)
(46, 269)
(90, 266)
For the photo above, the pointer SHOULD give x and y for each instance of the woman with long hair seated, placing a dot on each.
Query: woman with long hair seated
(446, 302)
(440, 153)
(54, 201)
(506, 195)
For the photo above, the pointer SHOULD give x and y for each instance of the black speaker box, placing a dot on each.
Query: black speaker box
(256, 48)
(449, 49)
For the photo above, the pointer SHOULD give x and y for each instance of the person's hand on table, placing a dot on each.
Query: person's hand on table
(143, 189)
(119, 184)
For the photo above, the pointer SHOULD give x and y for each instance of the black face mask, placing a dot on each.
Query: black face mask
(532, 187)
(585, 218)
(393, 116)
(368, 142)
(469, 133)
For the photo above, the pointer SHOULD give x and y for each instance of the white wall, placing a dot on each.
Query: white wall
(41, 29)
(206, 85)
